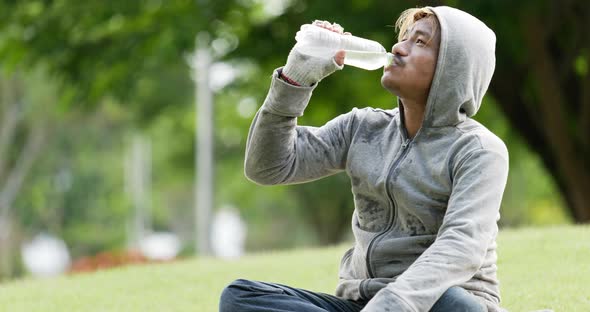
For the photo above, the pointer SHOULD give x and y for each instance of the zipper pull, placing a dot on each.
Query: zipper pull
(405, 144)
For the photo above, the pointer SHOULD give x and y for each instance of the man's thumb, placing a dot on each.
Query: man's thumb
(339, 57)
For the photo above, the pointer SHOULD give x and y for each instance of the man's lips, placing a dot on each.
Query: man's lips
(397, 60)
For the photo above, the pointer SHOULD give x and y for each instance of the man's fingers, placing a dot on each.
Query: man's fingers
(329, 26)
(337, 28)
(339, 57)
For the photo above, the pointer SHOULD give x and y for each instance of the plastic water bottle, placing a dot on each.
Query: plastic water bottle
(360, 52)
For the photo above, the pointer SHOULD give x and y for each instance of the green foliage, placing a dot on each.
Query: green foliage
(75, 189)
(529, 260)
(99, 48)
(581, 64)
(531, 197)
(119, 68)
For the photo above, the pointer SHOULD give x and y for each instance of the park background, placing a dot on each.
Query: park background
(95, 93)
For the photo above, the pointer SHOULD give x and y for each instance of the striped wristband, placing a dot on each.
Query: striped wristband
(288, 80)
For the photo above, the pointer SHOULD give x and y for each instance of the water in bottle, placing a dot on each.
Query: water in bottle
(360, 52)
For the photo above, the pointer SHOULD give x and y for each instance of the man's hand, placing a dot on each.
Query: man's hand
(307, 70)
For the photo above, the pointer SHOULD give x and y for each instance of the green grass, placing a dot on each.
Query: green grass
(538, 268)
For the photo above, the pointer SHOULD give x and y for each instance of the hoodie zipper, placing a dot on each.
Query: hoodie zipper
(393, 215)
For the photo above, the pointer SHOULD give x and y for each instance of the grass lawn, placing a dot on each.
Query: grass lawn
(538, 268)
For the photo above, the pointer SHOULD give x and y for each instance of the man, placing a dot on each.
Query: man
(427, 179)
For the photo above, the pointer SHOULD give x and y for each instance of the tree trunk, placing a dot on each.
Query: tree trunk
(571, 160)
(13, 183)
(548, 103)
(13, 173)
(5, 248)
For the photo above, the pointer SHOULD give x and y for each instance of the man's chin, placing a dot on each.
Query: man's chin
(389, 85)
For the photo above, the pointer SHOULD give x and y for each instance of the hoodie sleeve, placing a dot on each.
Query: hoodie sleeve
(468, 229)
(280, 152)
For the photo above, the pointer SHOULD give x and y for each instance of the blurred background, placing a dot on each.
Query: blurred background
(123, 124)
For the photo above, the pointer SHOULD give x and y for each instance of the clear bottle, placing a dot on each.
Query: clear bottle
(360, 52)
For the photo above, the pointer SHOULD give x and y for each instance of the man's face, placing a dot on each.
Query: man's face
(414, 62)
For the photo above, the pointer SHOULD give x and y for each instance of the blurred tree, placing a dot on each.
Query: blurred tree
(542, 85)
(326, 214)
(76, 189)
(23, 130)
(100, 48)
(131, 54)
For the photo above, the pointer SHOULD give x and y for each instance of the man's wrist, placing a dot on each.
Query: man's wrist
(284, 77)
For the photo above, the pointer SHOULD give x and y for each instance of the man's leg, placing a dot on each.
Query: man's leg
(457, 299)
(245, 296)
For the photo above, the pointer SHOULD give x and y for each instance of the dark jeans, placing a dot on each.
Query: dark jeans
(246, 296)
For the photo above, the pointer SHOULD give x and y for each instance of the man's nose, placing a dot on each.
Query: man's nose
(400, 48)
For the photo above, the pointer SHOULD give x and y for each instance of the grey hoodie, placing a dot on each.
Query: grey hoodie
(426, 208)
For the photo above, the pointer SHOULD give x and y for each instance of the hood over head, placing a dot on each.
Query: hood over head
(464, 69)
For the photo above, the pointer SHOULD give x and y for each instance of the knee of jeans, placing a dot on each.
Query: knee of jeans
(236, 287)
(458, 299)
(240, 283)
(472, 305)
(231, 293)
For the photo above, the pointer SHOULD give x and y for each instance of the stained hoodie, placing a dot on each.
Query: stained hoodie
(426, 208)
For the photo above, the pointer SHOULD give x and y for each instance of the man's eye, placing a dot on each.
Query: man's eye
(420, 41)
